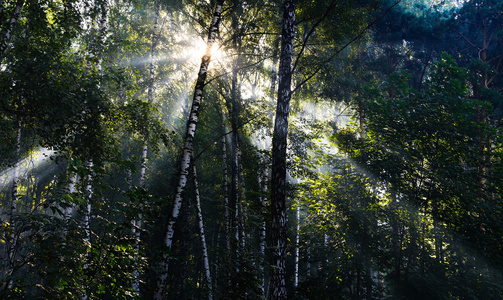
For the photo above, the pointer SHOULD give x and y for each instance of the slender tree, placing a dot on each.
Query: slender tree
(279, 145)
(188, 144)
(207, 271)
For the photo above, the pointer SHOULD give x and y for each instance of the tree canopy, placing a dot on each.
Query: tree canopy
(344, 149)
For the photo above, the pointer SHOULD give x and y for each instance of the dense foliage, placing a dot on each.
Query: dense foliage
(393, 164)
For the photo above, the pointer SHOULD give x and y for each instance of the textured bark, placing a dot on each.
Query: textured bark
(297, 250)
(188, 145)
(207, 272)
(263, 204)
(279, 145)
(137, 223)
(242, 198)
(234, 111)
(10, 26)
(87, 212)
(225, 191)
(234, 203)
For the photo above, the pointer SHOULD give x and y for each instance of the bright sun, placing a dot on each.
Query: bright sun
(197, 52)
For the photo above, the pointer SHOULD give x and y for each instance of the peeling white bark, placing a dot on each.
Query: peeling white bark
(263, 203)
(188, 145)
(226, 196)
(202, 236)
(10, 26)
(297, 250)
(87, 212)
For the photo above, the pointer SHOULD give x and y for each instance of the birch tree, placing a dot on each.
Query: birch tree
(207, 271)
(188, 144)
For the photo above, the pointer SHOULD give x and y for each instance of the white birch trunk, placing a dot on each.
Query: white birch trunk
(297, 252)
(188, 145)
(137, 224)
(202, 235)
(71, 190)
(226, 196)
(242, 199)
(87, 212)
(87, 218)
(263, 204)
(10, 26)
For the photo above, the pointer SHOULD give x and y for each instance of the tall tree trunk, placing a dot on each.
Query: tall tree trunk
(15, 176)
(279, 145)
(137, 223)
(87, 211)
(225, 191)
(188, 145)
(234, 203)
(234, 112)
(263, 204)
(297, 242)
(395, 239)
(242, 198)
(367, 247)
(12, 244)
(202, 235)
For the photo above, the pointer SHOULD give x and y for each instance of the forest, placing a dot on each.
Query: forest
(251, 149)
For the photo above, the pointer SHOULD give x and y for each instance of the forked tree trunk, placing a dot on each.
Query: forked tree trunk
(279, 143)
(188, 145)
(207, 272)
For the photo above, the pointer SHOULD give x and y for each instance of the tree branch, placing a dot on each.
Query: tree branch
(358, 36)
(306, 38)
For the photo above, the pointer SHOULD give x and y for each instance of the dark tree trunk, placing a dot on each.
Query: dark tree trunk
(279, 145)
